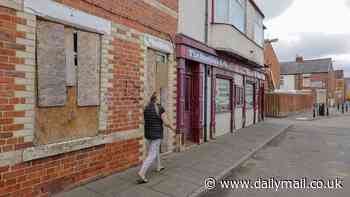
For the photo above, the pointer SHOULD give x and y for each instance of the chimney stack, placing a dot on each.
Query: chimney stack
(299, 59)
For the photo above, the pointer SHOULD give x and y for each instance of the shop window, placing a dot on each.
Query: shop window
(249, 96)
(223, 94)
(68, 85)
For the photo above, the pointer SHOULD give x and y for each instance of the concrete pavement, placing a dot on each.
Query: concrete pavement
(185, 172)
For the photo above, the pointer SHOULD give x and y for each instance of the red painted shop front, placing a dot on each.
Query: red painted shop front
(207, 91)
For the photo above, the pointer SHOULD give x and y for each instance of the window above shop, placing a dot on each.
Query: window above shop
(258, 29)
(231, 12)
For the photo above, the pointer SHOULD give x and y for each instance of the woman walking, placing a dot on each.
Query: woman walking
(154, 117)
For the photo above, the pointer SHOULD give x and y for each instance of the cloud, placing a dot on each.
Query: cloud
(316, 45)
(313, 45)
(347, 3)
(273, 8)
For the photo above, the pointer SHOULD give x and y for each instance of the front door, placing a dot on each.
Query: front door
(188, 107)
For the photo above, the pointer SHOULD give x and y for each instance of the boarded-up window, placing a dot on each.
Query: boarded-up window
(51, 64)
(162, 71)
(68, 83)
(88, 68)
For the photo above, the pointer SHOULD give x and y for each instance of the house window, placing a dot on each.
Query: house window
(306, 80)
(258, 29)
(282, 81)
(231, 12)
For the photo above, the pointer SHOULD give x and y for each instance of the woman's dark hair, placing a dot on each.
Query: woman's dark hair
(154, 97)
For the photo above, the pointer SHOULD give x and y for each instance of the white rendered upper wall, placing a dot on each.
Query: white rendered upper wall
(220, 35)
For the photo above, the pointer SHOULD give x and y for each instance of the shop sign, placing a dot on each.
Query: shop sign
(213, 60)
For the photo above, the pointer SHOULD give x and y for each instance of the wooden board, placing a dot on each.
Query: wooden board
(57, 124)
(51, 64)
(150, 75)
(89, 58)
(162, 76)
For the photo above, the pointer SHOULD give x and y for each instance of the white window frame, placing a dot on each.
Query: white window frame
(258, 29)
(230, 16)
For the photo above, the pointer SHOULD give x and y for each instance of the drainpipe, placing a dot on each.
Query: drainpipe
(206, 73)
(206, 22)
(205, 102)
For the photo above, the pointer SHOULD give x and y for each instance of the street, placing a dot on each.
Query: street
(310, 149)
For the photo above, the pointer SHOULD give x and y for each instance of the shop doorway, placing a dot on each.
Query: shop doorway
(192, 113)
(188, 134)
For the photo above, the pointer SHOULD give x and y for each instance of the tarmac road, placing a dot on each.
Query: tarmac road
(313, 151)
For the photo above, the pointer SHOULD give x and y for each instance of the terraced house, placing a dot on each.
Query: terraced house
(220, 52)
(74, 77)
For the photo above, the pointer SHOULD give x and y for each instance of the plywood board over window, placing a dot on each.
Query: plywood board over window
(51, 64)
(150, 75)
(72, 72)
(88, 70)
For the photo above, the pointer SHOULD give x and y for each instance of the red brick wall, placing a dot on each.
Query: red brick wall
(47, 176)
(124, 96)
(133, 13)
(272, 61)
(8, 74)
(170, 3)
(53, 174)
(328, 78)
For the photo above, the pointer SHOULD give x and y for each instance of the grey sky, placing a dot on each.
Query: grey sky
(303, 28)
(273, 9)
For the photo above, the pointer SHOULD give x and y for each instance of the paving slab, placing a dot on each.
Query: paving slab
(79, 192)
(185, 172)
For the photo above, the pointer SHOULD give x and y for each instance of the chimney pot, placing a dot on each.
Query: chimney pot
(299, 59)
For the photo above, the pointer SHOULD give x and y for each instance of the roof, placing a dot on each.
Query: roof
(307, 66)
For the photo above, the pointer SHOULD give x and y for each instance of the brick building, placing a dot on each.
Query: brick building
(316, 75)
(339, 87)
(74, 77)
(347, 89)
(273, 70)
